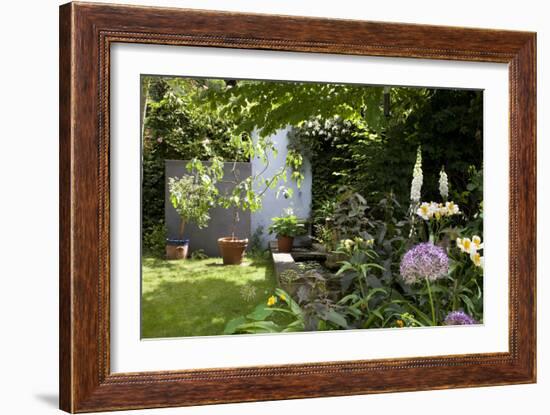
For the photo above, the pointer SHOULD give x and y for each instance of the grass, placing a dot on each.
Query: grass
(198, 297)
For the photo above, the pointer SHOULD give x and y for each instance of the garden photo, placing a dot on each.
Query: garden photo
(283, 206)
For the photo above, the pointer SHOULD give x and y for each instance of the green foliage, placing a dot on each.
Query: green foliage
(447, 123)
(349, 218)
(192, 199)
(267, 106)
(198, 255)
(180, 124)
(287, 225)
(257, 249)
(362, 155)
(152, 206)
(282, 314)
(154, 241)
(175, 128)
(245, 193)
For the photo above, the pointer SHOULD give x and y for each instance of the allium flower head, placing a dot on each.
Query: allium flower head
(443, 184)
(416, 185)
(458, 318)
(424, 260)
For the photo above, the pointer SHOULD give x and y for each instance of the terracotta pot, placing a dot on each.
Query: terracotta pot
(232, 250)
(284, 243)
(177, 248)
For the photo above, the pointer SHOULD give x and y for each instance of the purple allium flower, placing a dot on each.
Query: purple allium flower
(458, 318)
(424, 260)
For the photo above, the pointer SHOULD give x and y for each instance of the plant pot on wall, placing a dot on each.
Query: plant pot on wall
(232, 250)
(177, 248)
(284, 243)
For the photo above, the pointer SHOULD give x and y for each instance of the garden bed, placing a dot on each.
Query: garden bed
(300, 259)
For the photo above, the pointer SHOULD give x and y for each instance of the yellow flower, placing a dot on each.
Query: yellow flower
(283, 297)
(400, 323)
(477, 259)
(476, 243)
(271, 300)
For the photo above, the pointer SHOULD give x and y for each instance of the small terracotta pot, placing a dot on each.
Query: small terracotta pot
(284, 243)
(177, 248)
(232, 250)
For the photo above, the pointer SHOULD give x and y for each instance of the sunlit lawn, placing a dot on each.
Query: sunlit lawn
(198, 297)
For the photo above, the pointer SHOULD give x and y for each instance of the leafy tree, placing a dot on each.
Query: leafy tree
(192, 200)
(267, 106)
(245, 193)
(174, 128)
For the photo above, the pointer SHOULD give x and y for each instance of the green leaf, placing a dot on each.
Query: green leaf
(259, 327)
(297, 325)
(294, 307)
(469, 304)
(261, 312)
(378, 314)
(337, 319)
(232, 325)
(375, 291)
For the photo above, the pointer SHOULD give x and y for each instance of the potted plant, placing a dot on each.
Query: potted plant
(192, 199)
(243, 193)
(242, 197)
(286, 227)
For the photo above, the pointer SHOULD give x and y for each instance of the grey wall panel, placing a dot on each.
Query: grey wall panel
(221, 219)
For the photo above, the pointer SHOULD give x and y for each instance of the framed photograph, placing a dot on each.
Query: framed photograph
(258, 207)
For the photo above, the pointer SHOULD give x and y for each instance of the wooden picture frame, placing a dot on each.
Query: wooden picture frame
(86, 33)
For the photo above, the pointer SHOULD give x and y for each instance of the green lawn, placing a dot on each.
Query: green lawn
(198, 297)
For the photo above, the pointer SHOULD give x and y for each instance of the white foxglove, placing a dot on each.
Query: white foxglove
(443, 184)
(416, 185)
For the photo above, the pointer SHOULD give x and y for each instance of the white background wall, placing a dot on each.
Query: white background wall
(29, 206)
(273, 205)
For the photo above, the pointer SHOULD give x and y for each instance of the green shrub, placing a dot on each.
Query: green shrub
(287, 225)
(154, 240)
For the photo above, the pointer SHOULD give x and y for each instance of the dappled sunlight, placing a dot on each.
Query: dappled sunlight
(196, 298)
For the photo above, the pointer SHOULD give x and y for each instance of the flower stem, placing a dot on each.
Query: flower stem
(431, 301)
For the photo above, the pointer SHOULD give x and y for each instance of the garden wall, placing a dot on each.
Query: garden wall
(220, 222)
(221, 219)
(273, 206)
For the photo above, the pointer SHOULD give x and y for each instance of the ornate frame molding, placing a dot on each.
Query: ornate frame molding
(86, 33)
